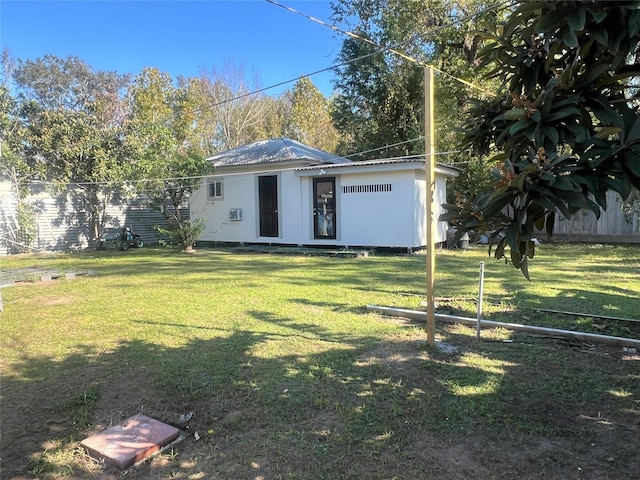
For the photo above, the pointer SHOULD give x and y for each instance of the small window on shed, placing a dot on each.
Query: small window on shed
(214, 189)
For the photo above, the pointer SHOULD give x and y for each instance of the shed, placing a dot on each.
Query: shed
(283, 192)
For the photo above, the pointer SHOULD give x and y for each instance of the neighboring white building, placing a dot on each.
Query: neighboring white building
(62, 223)
(283, 192)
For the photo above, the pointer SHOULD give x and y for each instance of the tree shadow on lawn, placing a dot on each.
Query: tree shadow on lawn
(330, 306)
(589, 294)
(312, 404)
(136, 262)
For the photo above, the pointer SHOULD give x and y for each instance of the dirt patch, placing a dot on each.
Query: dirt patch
(43, 423)
(392, 355)
(233, 436)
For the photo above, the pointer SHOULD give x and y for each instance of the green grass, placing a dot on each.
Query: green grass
(285, 369)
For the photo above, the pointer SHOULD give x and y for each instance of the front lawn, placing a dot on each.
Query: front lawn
(288, 376)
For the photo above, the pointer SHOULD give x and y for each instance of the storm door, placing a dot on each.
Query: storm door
(324, 207)
(268, 205)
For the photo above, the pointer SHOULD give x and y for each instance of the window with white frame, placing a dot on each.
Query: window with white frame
(214, 189)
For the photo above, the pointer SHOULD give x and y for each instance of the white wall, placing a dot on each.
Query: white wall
(238, 192)
(241, 191)
(393, 218)
(378, 218)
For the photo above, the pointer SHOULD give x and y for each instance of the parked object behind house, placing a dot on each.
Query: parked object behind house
(121, 239)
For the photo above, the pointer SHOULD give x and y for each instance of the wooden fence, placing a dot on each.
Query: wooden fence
(611, 227)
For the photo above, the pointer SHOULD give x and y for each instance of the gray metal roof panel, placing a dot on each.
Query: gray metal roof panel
(447, 169)
(273, 151)
(380, 161)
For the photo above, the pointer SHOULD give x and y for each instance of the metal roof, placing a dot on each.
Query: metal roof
(274, 151)
(386, 161)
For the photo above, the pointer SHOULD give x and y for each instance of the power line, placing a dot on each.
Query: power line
(353, 60)
(393, 50)
(232, 174)
(384, 147)
(333, 67)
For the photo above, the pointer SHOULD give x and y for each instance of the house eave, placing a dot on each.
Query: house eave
(373, 167)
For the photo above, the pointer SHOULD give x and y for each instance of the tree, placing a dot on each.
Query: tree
(163, 139)
(15, 167)
(380, 78)
(564, 127)
(72, 128)
(374, 106)
(310, 120)
(233, 115)
(631, 206)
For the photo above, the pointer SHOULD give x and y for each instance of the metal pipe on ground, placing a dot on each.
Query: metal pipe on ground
(555, 332)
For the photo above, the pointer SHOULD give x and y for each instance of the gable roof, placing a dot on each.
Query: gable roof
(273, 151)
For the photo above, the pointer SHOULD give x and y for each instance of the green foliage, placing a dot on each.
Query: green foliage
(564, 128)
(185, 232)
(71, 128)
(631, 206)
(13, 163)
(163, 136)
(380, 89)
(19, 170)
(27, 227)
(474, 177)
(310, 120)
(375, 107)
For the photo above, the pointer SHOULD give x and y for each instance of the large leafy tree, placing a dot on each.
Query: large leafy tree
(163, 139)
(376, 105)
(310, 119)
(72, 118)
(565, 125)
(379, 84)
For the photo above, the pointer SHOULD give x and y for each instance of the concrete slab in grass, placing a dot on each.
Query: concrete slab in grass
(130, 442)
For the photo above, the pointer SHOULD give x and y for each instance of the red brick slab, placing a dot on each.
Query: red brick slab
(131, 441)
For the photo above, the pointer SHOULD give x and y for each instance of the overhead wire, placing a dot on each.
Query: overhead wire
(393, 50)
(332, 67)
(384, 147)
(244, 172)
(381, 49)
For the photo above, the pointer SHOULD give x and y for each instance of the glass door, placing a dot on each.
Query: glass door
(324, 207)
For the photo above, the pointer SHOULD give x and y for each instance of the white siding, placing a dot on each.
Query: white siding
(62, 223)
(239, 192)
(365, 217)
(385, 218)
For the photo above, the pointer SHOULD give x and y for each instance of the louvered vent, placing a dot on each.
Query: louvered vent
(381, 187)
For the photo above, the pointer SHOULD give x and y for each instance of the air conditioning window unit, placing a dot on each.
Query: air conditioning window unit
(235, 214)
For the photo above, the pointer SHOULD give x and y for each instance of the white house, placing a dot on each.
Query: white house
(283, 192)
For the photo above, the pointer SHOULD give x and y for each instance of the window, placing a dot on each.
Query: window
(214, 189)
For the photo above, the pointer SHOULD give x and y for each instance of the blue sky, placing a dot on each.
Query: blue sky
(178, 37)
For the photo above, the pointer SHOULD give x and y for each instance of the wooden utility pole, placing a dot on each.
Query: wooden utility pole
(429, 165)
